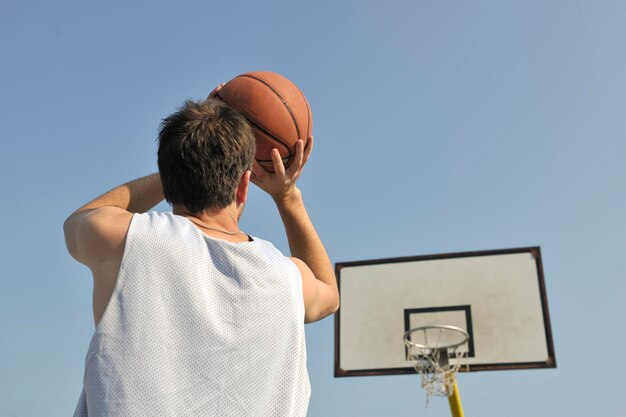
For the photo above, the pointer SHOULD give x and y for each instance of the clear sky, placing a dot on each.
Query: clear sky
(440, 126)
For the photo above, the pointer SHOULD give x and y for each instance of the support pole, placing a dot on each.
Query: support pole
(455, 402)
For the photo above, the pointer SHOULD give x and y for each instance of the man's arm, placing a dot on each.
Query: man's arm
(96, 232)
(319, 285)
(321, 296)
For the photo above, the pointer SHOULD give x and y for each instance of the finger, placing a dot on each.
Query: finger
(258, 170)
(296, 164)
(307, 150)
(279, 168)
(258, 173)
(216, 90)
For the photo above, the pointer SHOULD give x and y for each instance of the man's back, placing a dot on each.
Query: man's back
(198, 326)
(199, 320)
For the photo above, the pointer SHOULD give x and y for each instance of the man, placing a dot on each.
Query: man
(193, 316)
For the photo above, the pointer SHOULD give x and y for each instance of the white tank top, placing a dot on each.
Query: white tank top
(198, 326)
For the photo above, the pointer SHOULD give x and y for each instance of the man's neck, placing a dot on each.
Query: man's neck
(219, 223)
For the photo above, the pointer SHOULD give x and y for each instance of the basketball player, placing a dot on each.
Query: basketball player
(193, 316)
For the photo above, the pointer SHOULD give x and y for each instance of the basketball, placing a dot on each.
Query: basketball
(276, 109)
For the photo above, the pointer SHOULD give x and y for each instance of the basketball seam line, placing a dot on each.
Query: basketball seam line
(274, 138)
(293, 117)
(308, 112)
(271, 136)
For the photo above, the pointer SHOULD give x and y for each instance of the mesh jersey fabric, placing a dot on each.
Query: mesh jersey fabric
(198, 326)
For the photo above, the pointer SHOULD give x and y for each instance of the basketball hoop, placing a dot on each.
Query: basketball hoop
(435, 350)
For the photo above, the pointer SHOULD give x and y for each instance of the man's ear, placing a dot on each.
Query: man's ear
(241, 194)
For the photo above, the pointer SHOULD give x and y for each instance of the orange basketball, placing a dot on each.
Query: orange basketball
(276, 109)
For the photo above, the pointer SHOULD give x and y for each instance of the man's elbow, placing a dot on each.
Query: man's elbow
(67, 224)
(321, 314)
(69, 231)
(332, 302)
(330, 311)
(335, 306)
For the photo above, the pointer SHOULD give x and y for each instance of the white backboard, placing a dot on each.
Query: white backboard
(498, 297)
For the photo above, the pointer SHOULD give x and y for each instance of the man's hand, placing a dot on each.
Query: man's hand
(216, 90)
(281, 184)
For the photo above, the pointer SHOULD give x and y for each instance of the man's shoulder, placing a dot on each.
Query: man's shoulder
(157, 220)
(94, 236)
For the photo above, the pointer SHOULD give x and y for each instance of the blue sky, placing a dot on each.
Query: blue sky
(439, 127)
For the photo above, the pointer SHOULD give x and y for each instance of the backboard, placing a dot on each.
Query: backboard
(497, 296)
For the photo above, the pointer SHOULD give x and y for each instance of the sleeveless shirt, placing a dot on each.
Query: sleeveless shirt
(198, 326)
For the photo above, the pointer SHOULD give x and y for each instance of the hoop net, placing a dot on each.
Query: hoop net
(437, 357)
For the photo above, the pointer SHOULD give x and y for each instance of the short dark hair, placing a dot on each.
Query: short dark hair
(204, 149)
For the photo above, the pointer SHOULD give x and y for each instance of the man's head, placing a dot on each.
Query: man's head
(204, 150)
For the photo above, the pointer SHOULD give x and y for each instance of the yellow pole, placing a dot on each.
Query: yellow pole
(455, 402)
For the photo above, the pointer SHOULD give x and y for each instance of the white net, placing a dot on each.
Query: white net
(437, 357)
(437, 378)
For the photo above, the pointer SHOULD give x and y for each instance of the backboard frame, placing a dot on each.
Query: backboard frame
(535, 251)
